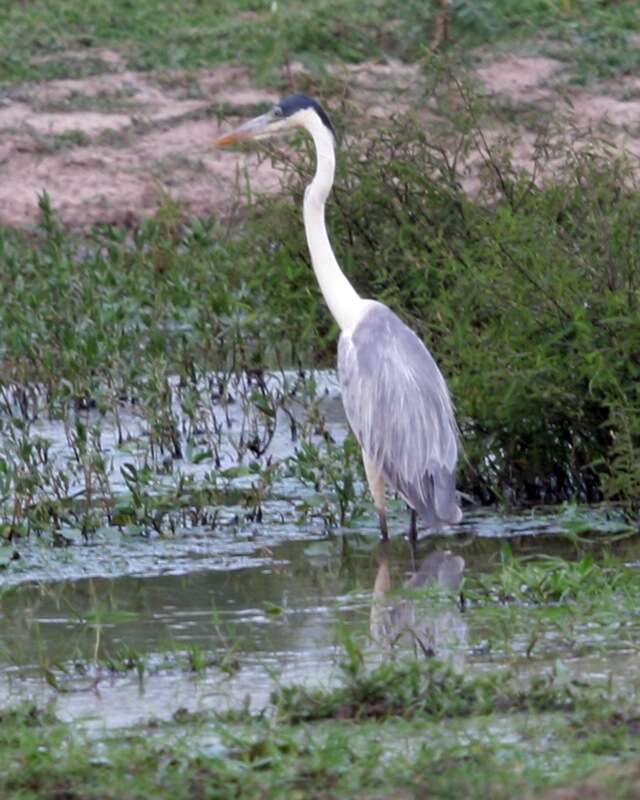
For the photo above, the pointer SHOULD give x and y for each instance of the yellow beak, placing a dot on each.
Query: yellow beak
(253, 129)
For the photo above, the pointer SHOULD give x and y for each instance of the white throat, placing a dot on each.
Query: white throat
(343, 301)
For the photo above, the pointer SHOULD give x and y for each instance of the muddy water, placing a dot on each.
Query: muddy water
(126, 626)
(211, 622)
(261, 616)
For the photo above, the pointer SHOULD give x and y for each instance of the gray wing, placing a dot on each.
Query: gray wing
(399, 408)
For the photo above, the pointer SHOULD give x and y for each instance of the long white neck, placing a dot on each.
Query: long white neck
(343, 301)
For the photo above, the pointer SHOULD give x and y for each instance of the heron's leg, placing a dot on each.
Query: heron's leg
(413, 539)
(384, 530)
(413, 526)
(413, 551)
(376, 487)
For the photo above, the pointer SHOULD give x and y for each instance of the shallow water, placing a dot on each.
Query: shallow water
(129, 440)
(218, 621)
(129, 624)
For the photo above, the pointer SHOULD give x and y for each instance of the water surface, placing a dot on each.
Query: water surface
(141, 628)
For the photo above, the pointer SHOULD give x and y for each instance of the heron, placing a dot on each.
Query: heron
(394, 395)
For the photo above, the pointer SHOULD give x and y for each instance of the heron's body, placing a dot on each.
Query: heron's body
(394, 395)
(398, 406)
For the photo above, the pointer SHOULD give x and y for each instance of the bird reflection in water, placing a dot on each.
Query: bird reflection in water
(435, 627)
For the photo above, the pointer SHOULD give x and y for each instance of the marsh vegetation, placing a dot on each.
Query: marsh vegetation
(192, 597)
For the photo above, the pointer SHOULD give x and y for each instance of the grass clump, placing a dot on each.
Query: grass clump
(42, 42)
(543, 579)
(199, 756)
(149, 350)
(431, 689)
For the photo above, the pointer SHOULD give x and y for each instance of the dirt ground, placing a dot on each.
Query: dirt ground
(108, 148)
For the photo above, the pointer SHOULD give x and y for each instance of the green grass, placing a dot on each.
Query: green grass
(551, 579)
(497, 752)
(155, 34)
(433, 690)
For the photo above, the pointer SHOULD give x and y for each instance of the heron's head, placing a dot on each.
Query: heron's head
(297, 111)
